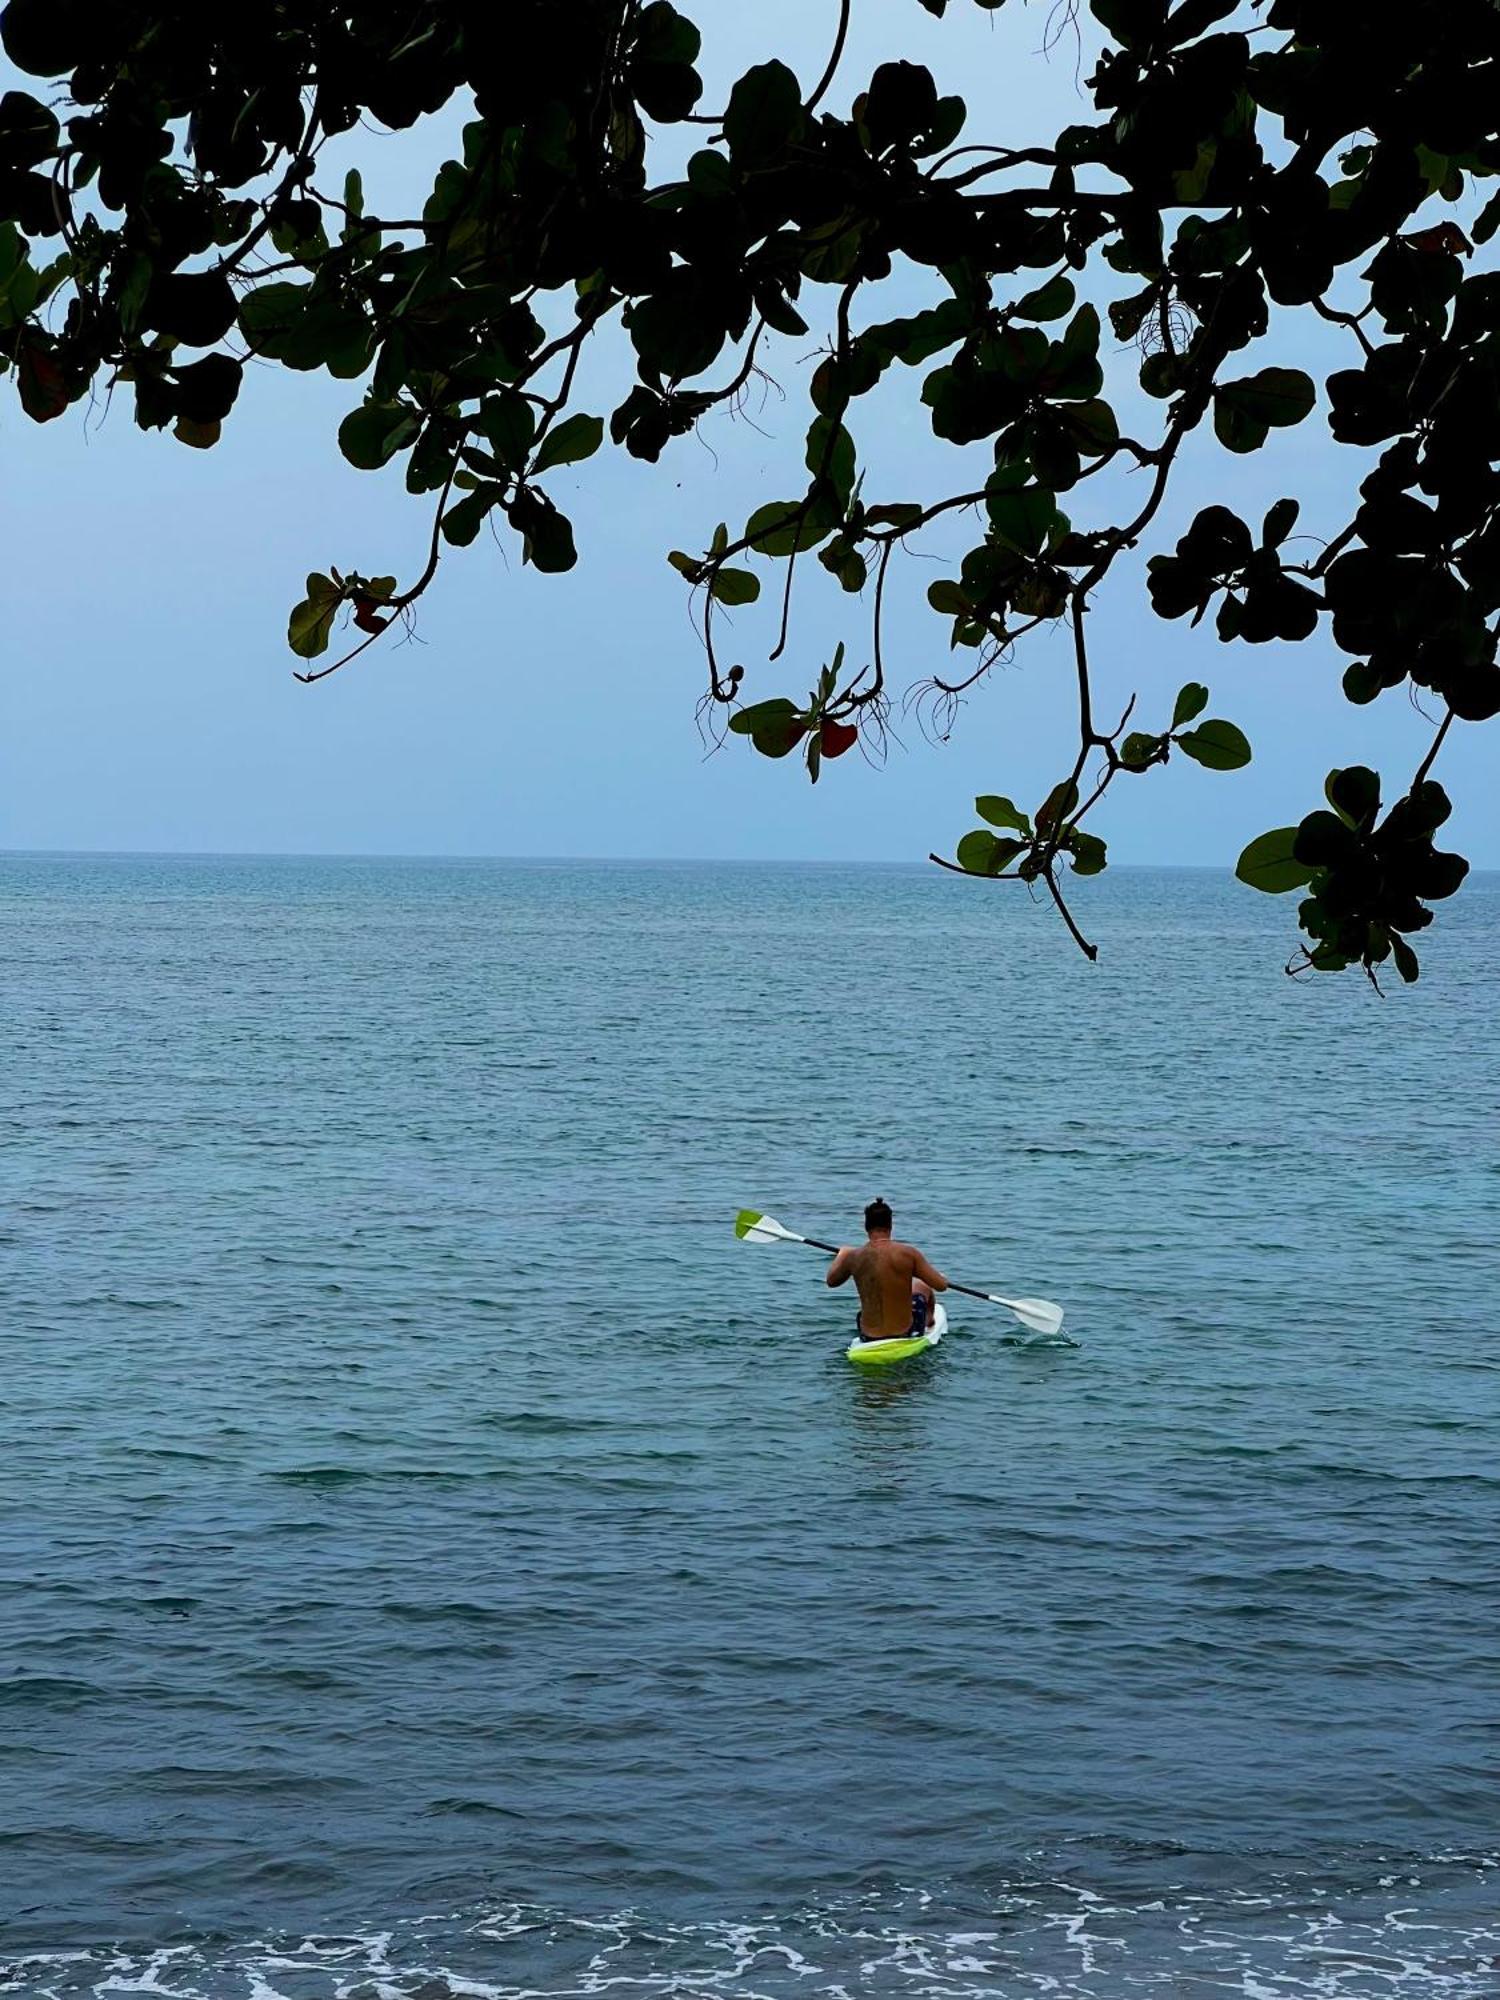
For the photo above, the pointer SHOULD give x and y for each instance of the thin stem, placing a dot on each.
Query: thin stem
(1081, 657)
(1431, 758)
(999, 156)
(732, 389)
(786, 608)
(885, 563)
(845, 8)
(297, 172)
(364, 221)
(927, 514)
(1340, 542)
(322, 673)
(1351, 320)
(954, 869)
(1033, 156)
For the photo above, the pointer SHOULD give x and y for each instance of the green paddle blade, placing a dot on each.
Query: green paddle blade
(752, 1227)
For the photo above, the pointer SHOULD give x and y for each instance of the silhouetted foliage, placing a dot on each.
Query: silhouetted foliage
(165, 217)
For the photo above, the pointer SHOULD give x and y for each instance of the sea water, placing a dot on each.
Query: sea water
(438, 1560)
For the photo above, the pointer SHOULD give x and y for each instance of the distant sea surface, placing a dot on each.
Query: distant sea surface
(437, 1560)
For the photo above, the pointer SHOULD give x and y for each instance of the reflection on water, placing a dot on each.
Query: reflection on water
(888, 1409)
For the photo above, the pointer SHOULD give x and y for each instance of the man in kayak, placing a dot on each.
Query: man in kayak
(895, 1281)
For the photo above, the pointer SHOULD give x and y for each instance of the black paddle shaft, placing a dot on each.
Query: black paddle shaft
(833, 1250)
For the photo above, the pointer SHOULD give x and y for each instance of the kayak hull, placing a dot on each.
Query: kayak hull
(883, 1353)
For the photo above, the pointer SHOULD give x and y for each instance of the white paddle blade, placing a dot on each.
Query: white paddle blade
(751, 1227)
(1039, 1315)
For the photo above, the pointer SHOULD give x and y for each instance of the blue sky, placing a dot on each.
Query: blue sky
(148, 701)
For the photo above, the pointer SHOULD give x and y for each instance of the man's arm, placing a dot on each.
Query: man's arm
(841, 1270)
(928, 1273)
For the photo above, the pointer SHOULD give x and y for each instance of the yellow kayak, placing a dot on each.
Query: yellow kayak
(881, 1353)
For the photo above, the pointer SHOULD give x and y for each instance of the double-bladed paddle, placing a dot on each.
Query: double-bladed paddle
(1036, 1315)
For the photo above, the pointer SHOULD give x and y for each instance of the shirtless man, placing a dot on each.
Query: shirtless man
(895, 1281)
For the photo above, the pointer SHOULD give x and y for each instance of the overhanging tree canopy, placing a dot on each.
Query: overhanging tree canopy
(163, 214)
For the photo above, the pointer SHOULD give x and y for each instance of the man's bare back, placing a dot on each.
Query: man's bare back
(890, 1278)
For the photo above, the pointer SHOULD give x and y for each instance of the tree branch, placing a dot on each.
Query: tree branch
(1090, 951)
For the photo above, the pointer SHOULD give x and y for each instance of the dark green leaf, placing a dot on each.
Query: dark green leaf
(735, 586)
(1092, 425)
(1161, 374)
(926, 333)
(29, 132)
(206, 390)
(948, 597)
(1354, 794)
(1441, 875)
(710, 175)
(1217, 745)
(1405, 958)
(1072, 369)
(1022, 517)
(194, 307)
(1324, 841)
(997, 811)
(981, 853)
(764, 113)
(509, 422)
(1487, 221)
(900, 105)
(1139, 750)
(370, 436)
(547, 534)
(1245, 410)
(1362, 683)
(745, 721)
(782, 526)
(830, 456)
(463, 520)
(1090, 856)
(778, 312)
(1268, 863)
(774, 727)
(662, 35)
(1191, 701)
(311, 621)
(1059, 802)
(201, 436)
(842, 559)
(575, 438)
(1279, 523)
(1050, 301)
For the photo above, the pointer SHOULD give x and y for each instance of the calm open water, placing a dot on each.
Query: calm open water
(438, 1560)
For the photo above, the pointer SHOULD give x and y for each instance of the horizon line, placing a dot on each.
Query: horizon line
(563, 860)
(540, 860)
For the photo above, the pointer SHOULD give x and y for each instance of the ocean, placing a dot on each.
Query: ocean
(437, 1560)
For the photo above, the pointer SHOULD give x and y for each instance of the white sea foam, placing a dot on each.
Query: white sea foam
(1051, 1938)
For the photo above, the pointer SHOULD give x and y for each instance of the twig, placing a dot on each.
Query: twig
(396, 605)
(1431, 758)
(845, 8)
(954, 869)
(1090, 951)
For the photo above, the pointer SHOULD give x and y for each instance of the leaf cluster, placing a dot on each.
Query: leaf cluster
(1370, 880)
(166, 218)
